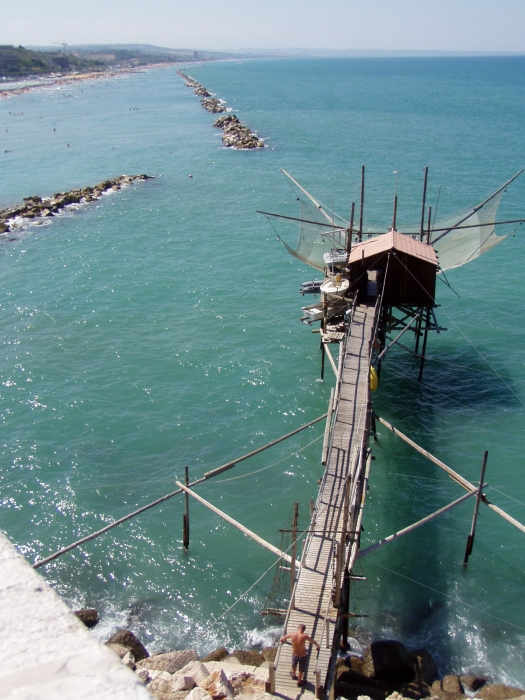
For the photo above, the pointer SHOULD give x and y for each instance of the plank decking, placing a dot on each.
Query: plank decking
(313, 593)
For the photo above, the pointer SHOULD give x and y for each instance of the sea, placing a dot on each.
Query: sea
(159, 328)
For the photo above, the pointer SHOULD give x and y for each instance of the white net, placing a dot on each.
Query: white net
(458, 238)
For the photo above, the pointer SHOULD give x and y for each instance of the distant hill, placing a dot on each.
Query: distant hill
(17, 62)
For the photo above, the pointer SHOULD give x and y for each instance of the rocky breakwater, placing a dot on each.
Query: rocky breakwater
(387, 670)
(211, 104)
(236, 134)
(36, 207)
(181, 675)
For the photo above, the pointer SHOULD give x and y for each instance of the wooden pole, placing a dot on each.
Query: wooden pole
(327, 350)
(344, 607)
(428, 226)
(326, 440)
(272, 679)
(350, 230)
(294, 546)
(394, 216)
(414, 526)
(417, 331)
(423, 205)
(454, 475)
(322, 360)
(470, 540)
(186, 516)
(424, 349)
(362, 203)
(244, 530)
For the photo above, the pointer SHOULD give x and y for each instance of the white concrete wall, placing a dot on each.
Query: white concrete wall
(45, 651)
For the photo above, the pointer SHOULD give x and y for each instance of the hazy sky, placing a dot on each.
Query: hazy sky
(448, 25)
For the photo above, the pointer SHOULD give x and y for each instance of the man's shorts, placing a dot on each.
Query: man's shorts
(299, 661)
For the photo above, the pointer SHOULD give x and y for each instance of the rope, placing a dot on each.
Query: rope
(453, 598)
(469, 341)
(243, 476)
(485, 359)
(206, 476)
(413, 476)
(506, 495)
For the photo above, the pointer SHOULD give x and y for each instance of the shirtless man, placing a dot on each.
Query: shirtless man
(299, 654)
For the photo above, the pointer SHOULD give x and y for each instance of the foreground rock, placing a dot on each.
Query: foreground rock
(128, 640)
(38, 207)
(89, 616)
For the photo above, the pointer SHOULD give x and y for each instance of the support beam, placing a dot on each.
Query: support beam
(470, 540)
(325, 346)
(454, 475)
(405, 329)
(415, 526)
(186, 516)
(249, 533)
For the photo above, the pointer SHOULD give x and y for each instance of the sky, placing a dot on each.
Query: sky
(413, 25)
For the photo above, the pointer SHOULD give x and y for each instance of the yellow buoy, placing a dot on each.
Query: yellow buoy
(374, 379)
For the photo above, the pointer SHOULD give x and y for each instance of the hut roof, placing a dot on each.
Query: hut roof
(393, 240)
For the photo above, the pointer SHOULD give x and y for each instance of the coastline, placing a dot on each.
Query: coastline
(72, 79)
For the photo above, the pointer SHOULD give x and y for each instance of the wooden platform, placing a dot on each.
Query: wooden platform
(313, 594)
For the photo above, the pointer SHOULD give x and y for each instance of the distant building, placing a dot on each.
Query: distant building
(8, 62)
(196, 54)
(61, 62)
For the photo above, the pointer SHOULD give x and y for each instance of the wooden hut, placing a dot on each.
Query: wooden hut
(400, 267)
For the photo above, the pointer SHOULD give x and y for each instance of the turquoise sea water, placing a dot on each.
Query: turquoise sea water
(158, 328)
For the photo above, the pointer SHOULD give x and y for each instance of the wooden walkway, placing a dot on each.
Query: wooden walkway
(319, 578)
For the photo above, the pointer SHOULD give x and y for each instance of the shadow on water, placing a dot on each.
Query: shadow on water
(415, 586)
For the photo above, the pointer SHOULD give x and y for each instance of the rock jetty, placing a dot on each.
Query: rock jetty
(236, 134)
(387, 670)
(40, 207)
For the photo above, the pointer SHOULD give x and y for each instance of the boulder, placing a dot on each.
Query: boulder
(415, 690)
(439, 692)
(452, 684)
(195, 670)
(161, 688)
(217, 685)
(182, 682)
(269, 654)
(244, 683)
(171, 661)
(128, 639)
(198, 694)
(498, 691)
(248, 658)
(472, 683)
(424, 666)
(119, 649)
(89, 616)
(217, 655)
(129, 660)
(388, 660)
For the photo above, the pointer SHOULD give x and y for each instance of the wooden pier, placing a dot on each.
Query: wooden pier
(330, 550)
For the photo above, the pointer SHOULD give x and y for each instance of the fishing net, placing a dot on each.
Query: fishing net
(458, 238)
(317, 235)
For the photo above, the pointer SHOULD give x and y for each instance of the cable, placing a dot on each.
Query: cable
(242, 476)
(506, 495)
(455, 599)
(485, 359)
